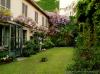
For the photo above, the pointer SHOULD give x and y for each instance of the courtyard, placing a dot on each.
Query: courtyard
(57, 61)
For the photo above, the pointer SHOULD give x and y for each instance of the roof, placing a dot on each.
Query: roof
(37, 7)
(6, 23)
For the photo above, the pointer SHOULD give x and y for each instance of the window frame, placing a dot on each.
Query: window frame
(47, 22)
(24, 9)
(6, 3)
(24, 36)
(43, 22)
(36, 17)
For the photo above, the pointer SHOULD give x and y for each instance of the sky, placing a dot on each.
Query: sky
(65, 3)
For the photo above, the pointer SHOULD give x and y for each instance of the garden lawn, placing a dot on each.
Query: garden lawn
(58, 60)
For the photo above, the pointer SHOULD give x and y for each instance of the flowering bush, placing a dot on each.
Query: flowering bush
(6, 59)
(26, 21)
(57, 22)
(41, 29)
(57, 19)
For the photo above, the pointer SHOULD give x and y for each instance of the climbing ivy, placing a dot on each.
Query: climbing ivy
(88, 39)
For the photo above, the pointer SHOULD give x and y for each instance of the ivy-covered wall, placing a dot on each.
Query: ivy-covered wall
(88, 39)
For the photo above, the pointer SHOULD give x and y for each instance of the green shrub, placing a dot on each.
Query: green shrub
(30, 48)
(88, 41)
(47, 43)
(3, 54)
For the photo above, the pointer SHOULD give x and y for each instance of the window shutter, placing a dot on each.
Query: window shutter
(8, 4)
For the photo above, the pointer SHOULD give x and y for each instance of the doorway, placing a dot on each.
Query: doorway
(0, 35)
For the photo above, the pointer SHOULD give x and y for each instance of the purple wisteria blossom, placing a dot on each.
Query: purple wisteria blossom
(57, 19)
(27, 21)
(42, 29)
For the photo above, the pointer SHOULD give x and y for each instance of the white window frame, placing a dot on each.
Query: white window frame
(24, 9)
(5, 4)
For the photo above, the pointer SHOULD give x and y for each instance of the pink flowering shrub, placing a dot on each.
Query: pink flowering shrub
(57, 20)
(41, 29)
(26, 21)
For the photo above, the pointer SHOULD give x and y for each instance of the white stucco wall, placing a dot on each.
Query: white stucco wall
(16, 10)
(66, 8)
(16, 7)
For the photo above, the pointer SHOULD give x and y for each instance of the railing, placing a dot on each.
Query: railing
(3, 7)
(5, 13)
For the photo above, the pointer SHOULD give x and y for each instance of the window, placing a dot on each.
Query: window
(70, 13)
(8, 3)
(47, 23)
(13, 38)
(5, 3)
(6, 36)
(24, 36)
(36, 17)
(0, 35)
(42, 21)
(24, 9)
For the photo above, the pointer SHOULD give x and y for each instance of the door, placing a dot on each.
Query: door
(16, 39)
(0, 35)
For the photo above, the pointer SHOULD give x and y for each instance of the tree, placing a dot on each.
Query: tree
(88, 53)
(49, 5)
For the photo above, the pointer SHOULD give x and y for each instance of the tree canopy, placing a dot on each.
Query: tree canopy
(88, 39)
(49, 5)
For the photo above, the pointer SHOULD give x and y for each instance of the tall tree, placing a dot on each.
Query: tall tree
(49, 5)
(88, 40)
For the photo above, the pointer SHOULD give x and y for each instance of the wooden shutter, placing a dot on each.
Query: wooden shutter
(24, 9)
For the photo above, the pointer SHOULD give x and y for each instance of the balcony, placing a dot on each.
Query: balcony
(5, 14)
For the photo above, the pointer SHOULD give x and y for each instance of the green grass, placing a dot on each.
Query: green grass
(58, 60)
